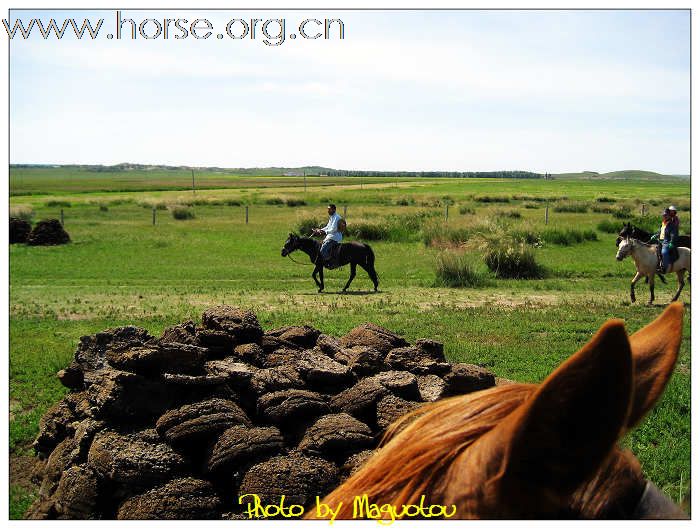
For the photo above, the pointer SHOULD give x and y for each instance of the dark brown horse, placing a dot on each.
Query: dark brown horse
(533, 451)
(633, 232)
(352, 253)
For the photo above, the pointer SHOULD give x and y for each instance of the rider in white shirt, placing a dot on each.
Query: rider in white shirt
(331, 232)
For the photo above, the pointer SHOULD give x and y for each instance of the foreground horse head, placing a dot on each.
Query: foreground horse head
(624, 248)
(291, 244)
(535, 451)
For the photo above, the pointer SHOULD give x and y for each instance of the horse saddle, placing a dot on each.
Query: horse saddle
(333, 256)
(672, 255)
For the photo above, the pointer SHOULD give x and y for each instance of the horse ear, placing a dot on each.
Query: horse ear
(655, 351)
(561, 435)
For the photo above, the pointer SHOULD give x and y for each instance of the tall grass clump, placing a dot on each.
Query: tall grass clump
(606, 199)
(531, 205)
(182, 212)
(623, 212)
(232, 202)
(526, 236)
(404, 201)
(104, 208)
(295, 202)
(466, 210)
(274, 201)
(571, 207)
(513, 261)
(58, 204)
(22, 212)
(438, 234)
(608, 210)
(457, 270)
(488, 199)
(609, 226)
(568, 237)
(510, 214)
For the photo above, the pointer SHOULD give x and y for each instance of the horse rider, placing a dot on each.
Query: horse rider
(667, 235)
(332, 232)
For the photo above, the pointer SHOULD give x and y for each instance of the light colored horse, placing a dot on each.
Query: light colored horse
(645, 260)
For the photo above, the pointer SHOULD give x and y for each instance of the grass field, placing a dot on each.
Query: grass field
(120, 269)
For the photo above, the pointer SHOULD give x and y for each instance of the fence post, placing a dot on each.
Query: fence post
(61, 216)
(246, 214)
(643, 209)
(546, 214)
(154, 215)
(345, 211)
(447, 211)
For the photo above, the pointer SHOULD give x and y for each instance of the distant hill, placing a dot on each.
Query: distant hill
(629, 174)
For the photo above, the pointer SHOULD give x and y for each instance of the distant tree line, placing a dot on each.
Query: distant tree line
(312, 170)
(438, 174)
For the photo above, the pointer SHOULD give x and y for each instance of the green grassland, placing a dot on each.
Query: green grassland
(121, 269)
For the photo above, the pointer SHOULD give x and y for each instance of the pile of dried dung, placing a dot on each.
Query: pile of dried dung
(182, 425)
(48, 233)
(19, 230)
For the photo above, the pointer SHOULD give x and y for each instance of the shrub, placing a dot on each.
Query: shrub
(22, 212)
(274, 201)
(606, 199)
(307, 223)
(466, 210)
(568, 237)
(513, 261)
(457, 270)
(295, 202)
(405, 201)
(58, 204)
(510, 214)
(572, 207)
(368, 231)
(103, 207)
(182, 212)
(531, 205)
(492, 199)
(232, 202)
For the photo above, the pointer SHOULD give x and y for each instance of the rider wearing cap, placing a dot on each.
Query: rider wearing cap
(667, 235)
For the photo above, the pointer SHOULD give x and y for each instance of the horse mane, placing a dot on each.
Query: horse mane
(417, 451)
(430, 438)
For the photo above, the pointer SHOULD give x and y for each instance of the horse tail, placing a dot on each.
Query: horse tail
(369, 259)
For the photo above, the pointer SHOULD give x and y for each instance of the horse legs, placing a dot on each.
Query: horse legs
(315, 272)
(372, 273)
(681, 284)
(636, 278)
(353, 266)
(651, 289)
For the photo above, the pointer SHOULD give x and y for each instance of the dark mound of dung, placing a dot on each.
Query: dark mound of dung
(180, 426)
(19, 230)
(48, 233)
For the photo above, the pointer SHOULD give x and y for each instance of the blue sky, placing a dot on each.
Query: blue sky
(405, 90)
